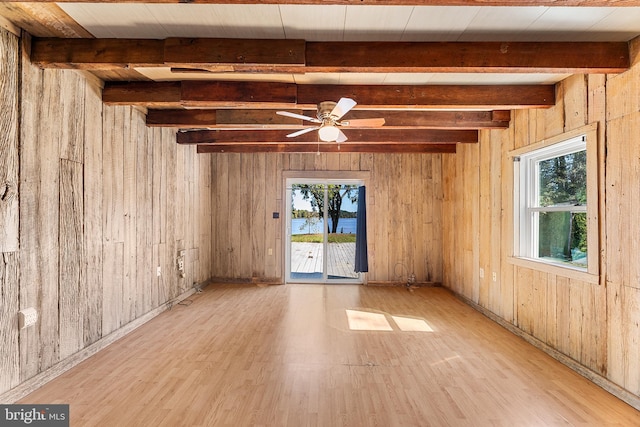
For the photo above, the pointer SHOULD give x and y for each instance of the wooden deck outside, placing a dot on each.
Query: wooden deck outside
(307, 258)
(316, 355)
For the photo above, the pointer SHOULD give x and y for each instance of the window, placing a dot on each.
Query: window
(555, 204)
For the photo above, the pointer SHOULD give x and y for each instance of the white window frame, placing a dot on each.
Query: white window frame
(525, 173)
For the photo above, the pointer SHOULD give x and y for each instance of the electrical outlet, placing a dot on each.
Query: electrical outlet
(495, 276)
(27, 317)
(270, 251)
(158, 271)
(482, 273)
(180, 262)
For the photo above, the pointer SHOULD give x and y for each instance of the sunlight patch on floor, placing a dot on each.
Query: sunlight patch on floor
(366, 321)
(409, 324)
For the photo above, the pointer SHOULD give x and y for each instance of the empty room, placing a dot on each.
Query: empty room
(320, 213)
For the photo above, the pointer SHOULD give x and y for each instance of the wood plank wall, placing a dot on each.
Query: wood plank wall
(103, 202)
(9, 208)
(404, 212)
(595, 324)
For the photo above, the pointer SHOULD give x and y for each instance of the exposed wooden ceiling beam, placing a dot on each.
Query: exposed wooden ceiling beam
(549, 3)
(225, 94)
(268, 119)
(298, 56)
(345, 147)
(434, 96)
(370, 136)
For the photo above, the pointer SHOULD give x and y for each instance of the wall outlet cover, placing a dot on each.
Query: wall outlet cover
(27, 317)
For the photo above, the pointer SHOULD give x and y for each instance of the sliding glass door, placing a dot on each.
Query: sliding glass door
(321, 230)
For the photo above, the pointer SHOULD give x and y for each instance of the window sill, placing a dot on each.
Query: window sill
(562, 271)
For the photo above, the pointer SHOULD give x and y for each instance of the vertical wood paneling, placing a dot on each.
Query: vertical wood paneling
(156, 184)
(221, 191)
(181, 209)
(596, 102)
(129, 199)
(144, 265)
(92, 191)
(142, 217)
(113, 174)
(10, 374)
(485, 280)
(436, 252)
(29, 206)
(72, 116)
(154, 134)
(575, 101)
(594, 324)
(404, 197)
(259, 215)
(98, 209)
(634, 197)
(620, 90)
(448, 169)
(551, 310)
(113, 276)
(426, 192)
(9, 209)
(171, 278)
(575, 319)
(245, 212)
(631, 339)
(233, 208)
(616, 351)
(495, 241)
(39, 214)
(382, 190)
(618, 235)
(415, 186)
(272, 204)
(204, 194)
(73, 293)
(333, 162)
(551, 121)
(9, 297)
(563, 314)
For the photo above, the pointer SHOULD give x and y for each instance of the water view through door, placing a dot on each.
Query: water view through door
(321, 231)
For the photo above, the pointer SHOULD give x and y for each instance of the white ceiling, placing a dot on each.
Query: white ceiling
(359, 23)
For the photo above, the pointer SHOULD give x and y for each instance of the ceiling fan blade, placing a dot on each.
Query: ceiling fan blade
(342, 107)
(302, 132)
(365, 123)
(297, 116)
(341, 137)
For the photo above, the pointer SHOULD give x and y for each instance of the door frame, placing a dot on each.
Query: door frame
(330, 177)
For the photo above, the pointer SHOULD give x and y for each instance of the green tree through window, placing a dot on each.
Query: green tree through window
(336, 193)
(563, 183)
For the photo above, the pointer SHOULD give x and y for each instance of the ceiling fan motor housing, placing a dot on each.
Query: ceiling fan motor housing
(324, 110)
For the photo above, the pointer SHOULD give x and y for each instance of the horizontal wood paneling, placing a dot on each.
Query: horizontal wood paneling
(104, 202)
(592, 322)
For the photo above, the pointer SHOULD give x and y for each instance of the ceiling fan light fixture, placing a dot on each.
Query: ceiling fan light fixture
(328, 132)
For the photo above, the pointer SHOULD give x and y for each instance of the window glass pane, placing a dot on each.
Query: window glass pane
(563, 237)
(563, 180)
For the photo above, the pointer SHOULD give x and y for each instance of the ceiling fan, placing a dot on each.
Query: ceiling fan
(328, 117)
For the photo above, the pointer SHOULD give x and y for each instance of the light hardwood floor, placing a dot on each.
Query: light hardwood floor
(327, 355)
